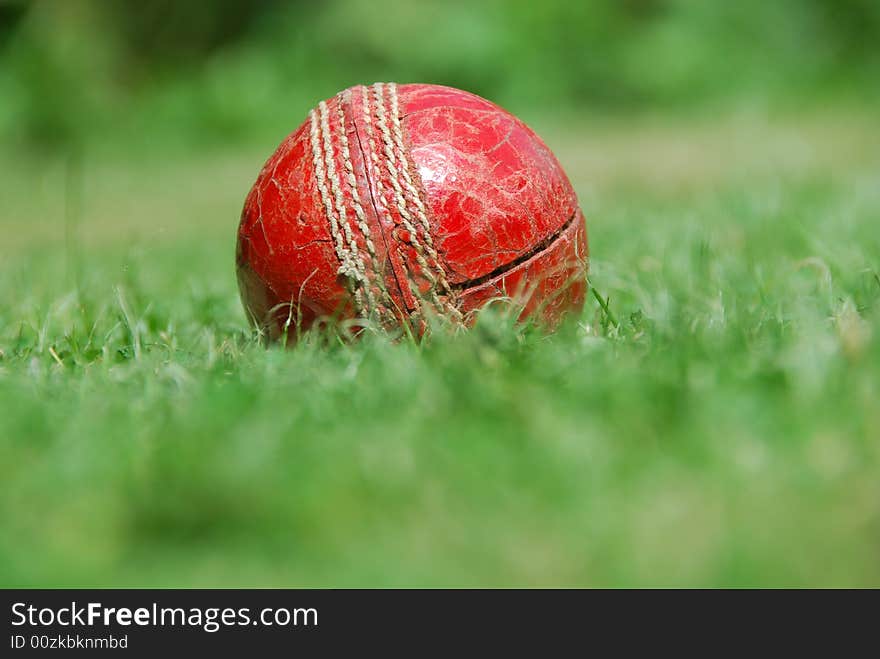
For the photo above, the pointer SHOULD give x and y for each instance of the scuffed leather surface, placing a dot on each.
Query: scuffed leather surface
(493, 187)
(285, 251)
(549, 284)
(494, 193)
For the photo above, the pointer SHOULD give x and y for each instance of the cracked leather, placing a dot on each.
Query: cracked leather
(503, 215)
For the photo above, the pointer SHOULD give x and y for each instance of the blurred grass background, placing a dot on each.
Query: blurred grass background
(723, 429)
(212, 71)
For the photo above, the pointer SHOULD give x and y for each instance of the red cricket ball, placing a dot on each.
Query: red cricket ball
(395, 201)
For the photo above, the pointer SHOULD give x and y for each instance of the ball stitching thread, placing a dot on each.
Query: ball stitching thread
(318, 161)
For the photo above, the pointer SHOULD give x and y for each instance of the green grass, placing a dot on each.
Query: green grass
(725, 433)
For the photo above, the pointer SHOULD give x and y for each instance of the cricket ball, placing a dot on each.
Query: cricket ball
(391, 203)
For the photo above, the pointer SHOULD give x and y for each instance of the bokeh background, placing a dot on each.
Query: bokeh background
(223, 71)
(716, 423)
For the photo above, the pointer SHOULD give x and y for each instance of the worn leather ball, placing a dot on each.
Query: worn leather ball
(392, 203)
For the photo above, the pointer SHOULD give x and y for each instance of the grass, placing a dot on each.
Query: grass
(711, 420)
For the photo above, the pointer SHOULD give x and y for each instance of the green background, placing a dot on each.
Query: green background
(716, 425)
